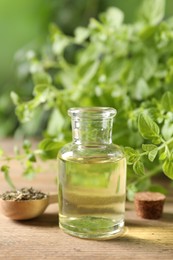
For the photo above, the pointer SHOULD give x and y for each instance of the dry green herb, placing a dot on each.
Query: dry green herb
(23, 194)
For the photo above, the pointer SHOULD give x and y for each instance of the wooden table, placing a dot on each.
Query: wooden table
(41, 238)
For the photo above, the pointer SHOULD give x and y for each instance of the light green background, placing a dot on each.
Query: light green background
(21, 22)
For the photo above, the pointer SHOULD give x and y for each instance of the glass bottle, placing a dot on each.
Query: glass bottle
(92, 177)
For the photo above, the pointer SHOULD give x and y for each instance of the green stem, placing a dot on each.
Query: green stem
(9, 180)
(153, 172)
(165, 143)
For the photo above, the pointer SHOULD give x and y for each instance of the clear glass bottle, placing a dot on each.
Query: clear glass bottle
(92, 177)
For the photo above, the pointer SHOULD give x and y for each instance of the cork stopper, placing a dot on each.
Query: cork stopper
(149, 205)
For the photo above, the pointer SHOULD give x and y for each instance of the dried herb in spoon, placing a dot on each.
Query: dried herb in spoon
(23, 194)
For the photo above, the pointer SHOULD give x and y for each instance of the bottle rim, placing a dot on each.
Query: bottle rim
(92, 112)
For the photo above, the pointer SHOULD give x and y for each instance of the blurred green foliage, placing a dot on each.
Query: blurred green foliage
(21, 22)
(24, 25)
(128, 66)
(123, 60)
(70, 14)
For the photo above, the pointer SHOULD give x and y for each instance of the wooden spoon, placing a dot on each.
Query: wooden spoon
(26, 209)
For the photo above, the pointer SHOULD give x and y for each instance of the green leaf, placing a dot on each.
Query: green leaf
(90, 72)
(167, 101)
(43, 93)
(152, 11)
(168, 168)
(138, 167)
(24, 112)
(39, 89)
(163, 155)
(141, 185)
(31, 157)
(147, 32)
(50, 148)
(40, 78)
(142, 89)
(152, 154)
(167, 128)
(95, 25)
(56, 122)
(148, 147)
(5, 168)
(157, 140)
(147, 127)
(81, 34)
(113, 17)
(131, 154)
(29, 171)
(131, 190)
(60, 42)
(15, 98)
(26, 144)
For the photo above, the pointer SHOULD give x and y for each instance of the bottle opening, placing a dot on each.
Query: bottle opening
(92, 112)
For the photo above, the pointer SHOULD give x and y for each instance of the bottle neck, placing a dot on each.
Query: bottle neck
(92, 131)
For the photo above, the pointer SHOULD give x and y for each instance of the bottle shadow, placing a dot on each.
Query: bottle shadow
(167, 217)
(148, 233)
(45, 220)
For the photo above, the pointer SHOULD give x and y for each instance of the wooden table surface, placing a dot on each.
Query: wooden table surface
(41, 238)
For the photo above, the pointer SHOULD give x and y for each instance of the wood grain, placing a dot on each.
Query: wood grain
(41, 238)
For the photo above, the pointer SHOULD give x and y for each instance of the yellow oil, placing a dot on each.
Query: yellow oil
(92, 196)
